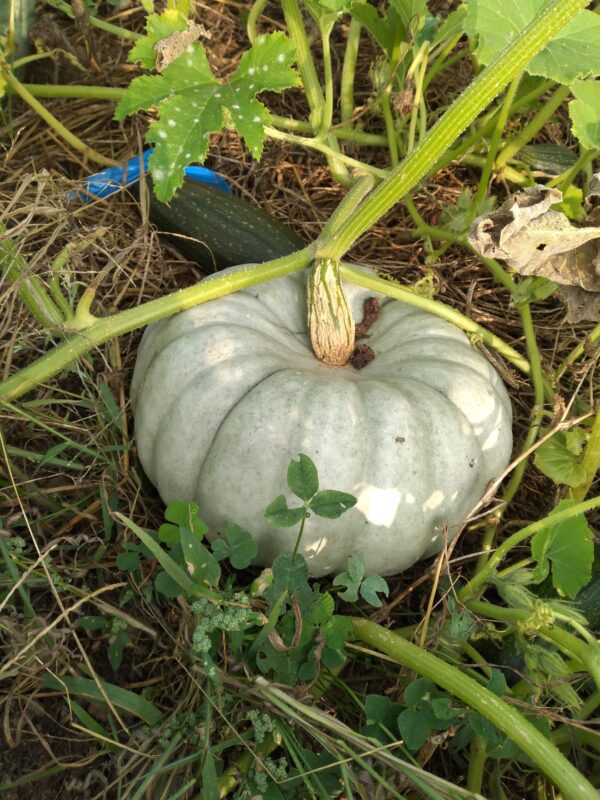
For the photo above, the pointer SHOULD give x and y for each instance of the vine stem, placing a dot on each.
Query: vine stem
(533, 743)
(587, 653)
(115, 94)
(537, 378)
(398, 292)
(488, 168)
(454, 121)
(70, 138)
(536, 124)
(322, 147)
(478, 581)
(592, 339)
(109, 327)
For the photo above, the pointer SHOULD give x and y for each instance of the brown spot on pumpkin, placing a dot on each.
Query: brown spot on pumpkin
(371, 313)
(399, 439)
(361, 356)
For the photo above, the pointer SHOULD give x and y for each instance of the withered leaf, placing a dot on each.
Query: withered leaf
(170, 48)
(535, 240)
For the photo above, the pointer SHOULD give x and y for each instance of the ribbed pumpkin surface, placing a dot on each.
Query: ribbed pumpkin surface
(225, 394)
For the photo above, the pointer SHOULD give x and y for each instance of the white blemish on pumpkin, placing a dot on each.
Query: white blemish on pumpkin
(379, 506)
(171, 123)
(235, 105)
(257, 119)
(251, 86)
(189, 49)
(162, 134)
(251, 71)
(435, 500)
(158, 174)
(281, 58)
(266, 68)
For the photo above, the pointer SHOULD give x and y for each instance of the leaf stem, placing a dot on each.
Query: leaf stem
(398, 292)
(586, 653)
(535, 125)
(326, 149)
(477, 762)
(327, 110)
(30, 288)
(501, 121)
(123, 33)
(478, 581)
(74, 90)
(533, 743)
(109, 327)
(54, 123)
(349, 70)
(257, 8)
(456, 119)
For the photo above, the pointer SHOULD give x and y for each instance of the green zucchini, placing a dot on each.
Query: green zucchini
(548, 159)
(218, 230)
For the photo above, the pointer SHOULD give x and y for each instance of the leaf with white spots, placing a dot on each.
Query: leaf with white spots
(192, 104)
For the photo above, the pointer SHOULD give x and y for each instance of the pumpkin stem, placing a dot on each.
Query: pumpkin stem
(330, 321)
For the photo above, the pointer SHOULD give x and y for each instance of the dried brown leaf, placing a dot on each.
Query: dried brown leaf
(535, 240)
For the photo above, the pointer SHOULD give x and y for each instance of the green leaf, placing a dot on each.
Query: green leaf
(192, 104)
(129, 561)
(322, 608)
(279, 514)
(531, 289)
(115, 649)
(121, 698)
(186, 584)
(555, 459)
(93, 623)
(381, 716)
(239, 547)
(165, 585)
(336, 631)
(168, 534)
(185, 514)
(370, 587)
(302, 477)
(572, 54)
(331, 504)
(419, 691)
(569, 546)
(210, 783)
(158, 26)
(585, 113)
(352, 578)
(200, 563)
(414, 728)
(497, 682)
(290, 575)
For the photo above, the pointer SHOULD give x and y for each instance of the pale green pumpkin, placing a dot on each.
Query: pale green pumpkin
(227, 393)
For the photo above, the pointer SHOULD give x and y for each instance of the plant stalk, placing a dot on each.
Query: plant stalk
(109, 327)
(56, 125)
(456, 119)
(533, 743)
(398, 292)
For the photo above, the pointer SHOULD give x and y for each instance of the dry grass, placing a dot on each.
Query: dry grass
(61, 507)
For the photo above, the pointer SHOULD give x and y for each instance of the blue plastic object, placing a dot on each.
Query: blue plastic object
(113, 179)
